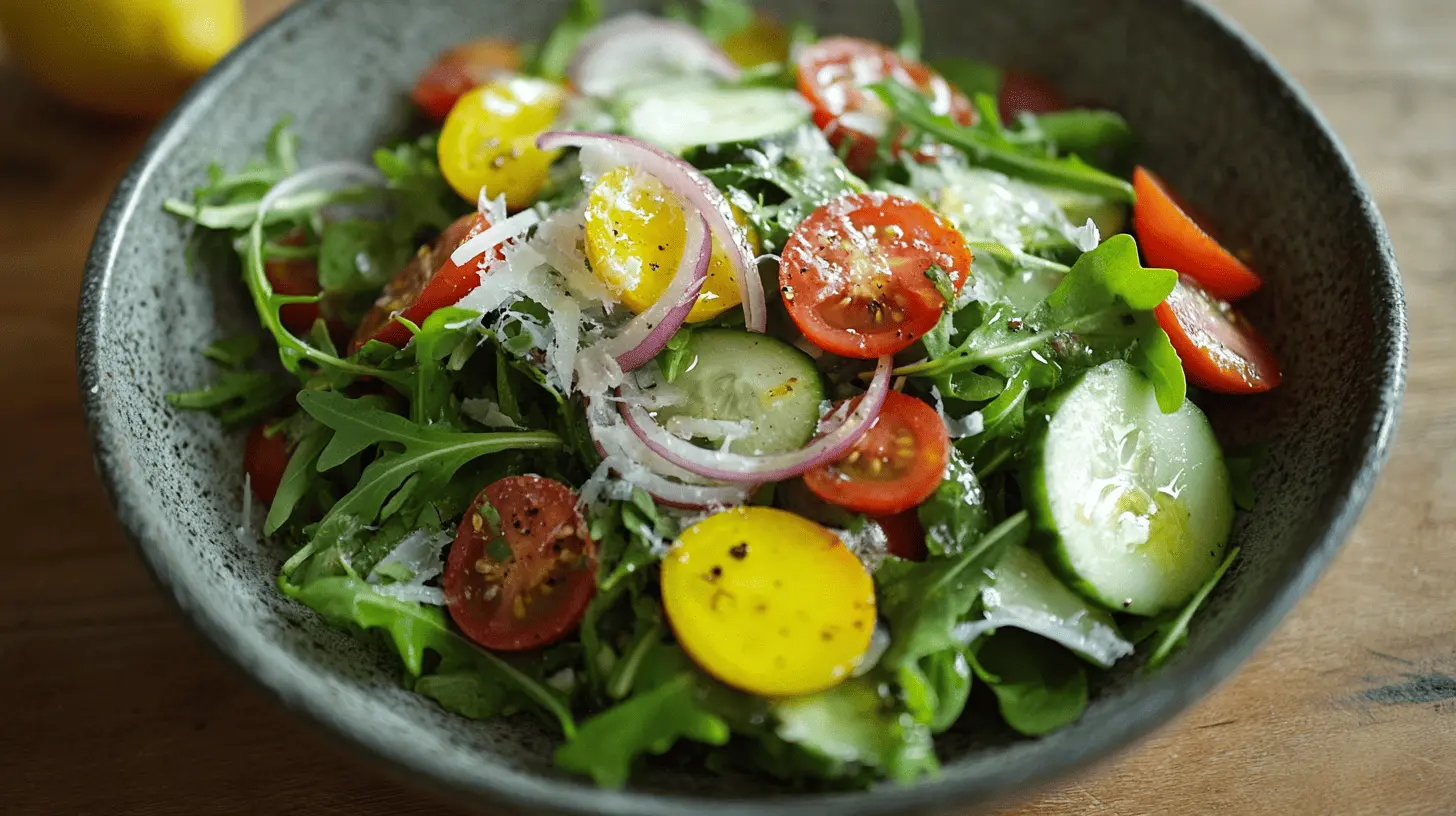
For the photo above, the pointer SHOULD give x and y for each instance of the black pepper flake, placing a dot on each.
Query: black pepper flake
(1014, 324)
(739, 551)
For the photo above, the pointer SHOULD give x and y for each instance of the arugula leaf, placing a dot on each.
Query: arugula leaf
(429, 459)
(854, 725)
(1039, 686)
(912, 32)
(414, 630)
(955, 515)
(1098, 311)
(924, 601)
(467, 693)
(675, 358)
(234, 351)
(669, 704)
(972, 77)
(985, 145)
(1096, 135)
(298, 477)
(1172, 632)
(555, 53)
(943, 285)
(236, 398)
(937, 687)
(423, 198)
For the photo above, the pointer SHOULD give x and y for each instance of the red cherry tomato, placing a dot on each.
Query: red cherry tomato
(264, 460)
(834, 75)
(894, 467)
(905, 535)
(428, 282)
(1027, 93)
(854, 277)
(1220, 350)
(521, 577)
(1171, 238)
(295, 276)
(461, 69)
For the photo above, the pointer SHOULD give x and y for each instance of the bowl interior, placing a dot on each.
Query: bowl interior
(1217, 121)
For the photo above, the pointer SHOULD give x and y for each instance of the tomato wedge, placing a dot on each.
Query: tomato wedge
(264, 460)
(1027, 93)
(428, 282)
(905, 535)
(460, 70)
(1220, 350)
(835, 74)
(522, 569)
(855, 274)
(894, 467)
(1172, 238)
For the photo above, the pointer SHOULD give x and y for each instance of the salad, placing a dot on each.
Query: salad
(715, 389)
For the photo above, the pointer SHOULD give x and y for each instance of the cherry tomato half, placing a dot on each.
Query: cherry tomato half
(834, 75)
(264, 460)
(488, 141)
(769, 602)
(894, 467)
(1172, 238)
(295, 276)
(1220, 350)
(520, 577)
(1027, 93)
(904, 535)
(460, 70)
(428, 282)
(854, 273)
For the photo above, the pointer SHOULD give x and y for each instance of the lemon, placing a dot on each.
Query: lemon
(124, 57)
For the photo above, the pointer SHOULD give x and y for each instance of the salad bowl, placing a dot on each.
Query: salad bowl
(1214, 114)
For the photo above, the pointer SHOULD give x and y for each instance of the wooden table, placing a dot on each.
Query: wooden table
(108, 704)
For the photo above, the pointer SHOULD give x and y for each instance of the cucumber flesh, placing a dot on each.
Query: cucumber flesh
(770, 389)
(682, 117)
(1135, 503)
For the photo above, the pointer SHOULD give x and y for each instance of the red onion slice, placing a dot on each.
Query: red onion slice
(649, 332)
(635, 50)
(699, 193)
(733, 467)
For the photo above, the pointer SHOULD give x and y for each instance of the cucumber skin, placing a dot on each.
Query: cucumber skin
(1044, 534)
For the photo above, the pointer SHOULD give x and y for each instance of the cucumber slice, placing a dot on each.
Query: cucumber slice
(1134, 503)
(1109, 216)
(770, 389)
(1026, 595)
(682, 117)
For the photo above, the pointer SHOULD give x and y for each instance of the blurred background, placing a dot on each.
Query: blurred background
(108, 704)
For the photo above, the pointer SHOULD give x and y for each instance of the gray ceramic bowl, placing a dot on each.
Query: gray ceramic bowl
(1219, 120)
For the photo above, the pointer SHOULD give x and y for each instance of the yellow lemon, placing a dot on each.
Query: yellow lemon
(125, 57)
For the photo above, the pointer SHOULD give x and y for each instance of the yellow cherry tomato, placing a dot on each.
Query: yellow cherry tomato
(768, 601)
(489, 139)
(764, 40)
(634, 240)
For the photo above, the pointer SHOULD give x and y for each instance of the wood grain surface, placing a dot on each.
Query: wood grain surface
(109, 704)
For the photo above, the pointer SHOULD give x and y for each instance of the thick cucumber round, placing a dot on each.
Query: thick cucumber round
(1134, 503)
(771, 388)
(680, 118)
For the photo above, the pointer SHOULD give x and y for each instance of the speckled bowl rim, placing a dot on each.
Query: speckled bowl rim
(973, 783)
